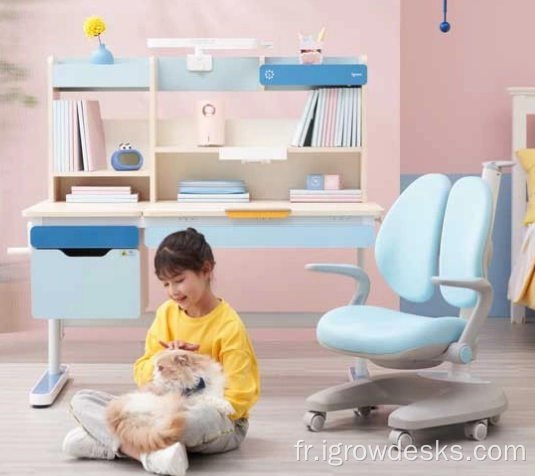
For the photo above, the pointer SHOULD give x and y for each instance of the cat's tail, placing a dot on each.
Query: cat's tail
(147, 422)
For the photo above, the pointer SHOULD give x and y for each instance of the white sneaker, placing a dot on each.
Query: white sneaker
(80, 444)
(172, 461)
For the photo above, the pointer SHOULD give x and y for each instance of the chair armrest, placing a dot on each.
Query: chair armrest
(481, 310)
(350, 270)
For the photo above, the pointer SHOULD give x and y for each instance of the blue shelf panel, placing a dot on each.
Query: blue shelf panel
(228, 74)
(283, 75)
(125, 73)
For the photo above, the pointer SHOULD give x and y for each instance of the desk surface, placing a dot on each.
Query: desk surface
(175, 209)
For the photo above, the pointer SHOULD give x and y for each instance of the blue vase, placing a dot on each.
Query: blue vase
(102, 55)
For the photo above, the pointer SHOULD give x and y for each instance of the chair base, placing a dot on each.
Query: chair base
(427, 400)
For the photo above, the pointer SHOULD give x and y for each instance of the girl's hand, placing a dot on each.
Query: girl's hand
(179, 344)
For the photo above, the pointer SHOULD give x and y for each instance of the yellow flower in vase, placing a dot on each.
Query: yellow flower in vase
(95, 26)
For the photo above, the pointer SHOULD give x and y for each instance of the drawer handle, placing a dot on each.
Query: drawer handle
(85, 252)
(252, 214)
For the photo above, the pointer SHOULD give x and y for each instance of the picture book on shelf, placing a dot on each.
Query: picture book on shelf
(78, 137)
(332, 117)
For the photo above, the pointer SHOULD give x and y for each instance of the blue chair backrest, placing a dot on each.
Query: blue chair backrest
(407, 245)
(464, 237)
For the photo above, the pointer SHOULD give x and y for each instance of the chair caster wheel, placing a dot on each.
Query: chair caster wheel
(400, 439)
(314, 421)
(363, 412)
(494, 420)
(476, 430)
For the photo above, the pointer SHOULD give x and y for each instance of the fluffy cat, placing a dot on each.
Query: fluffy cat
(154, 416)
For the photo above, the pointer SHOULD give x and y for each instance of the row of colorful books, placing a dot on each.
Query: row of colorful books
(332, 118)
(78, 136)
(199, 191)
(344, 195)
(101, 194)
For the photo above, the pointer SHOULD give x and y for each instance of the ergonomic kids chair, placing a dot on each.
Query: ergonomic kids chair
(431, 226)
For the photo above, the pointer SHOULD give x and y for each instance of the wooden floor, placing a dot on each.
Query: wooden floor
(30, 439)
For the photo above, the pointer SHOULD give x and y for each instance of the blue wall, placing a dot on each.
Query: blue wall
(500, 268)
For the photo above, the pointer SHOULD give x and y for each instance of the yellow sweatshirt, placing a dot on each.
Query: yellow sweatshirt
(221, 335)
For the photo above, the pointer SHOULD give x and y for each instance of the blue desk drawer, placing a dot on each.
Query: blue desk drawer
(86, 284)
(333, 232)
(68, 237)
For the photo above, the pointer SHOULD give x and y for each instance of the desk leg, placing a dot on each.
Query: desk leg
(53, 380)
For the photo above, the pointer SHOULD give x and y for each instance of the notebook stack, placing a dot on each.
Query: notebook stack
(344, 195)
(101, 194)
(212, 191)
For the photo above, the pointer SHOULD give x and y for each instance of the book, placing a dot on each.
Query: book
(101, 188)
(94, 136)
(213, 200)
(214, 196)
(306, 133)
(102, 197)
(83, 143)
(345, 191)
(296, 140)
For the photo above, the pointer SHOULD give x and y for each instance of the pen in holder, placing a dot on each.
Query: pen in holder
(310, 50)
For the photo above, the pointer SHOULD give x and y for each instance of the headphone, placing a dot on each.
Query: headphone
(445, 26)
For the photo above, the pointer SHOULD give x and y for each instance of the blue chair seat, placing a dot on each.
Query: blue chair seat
(378, 331)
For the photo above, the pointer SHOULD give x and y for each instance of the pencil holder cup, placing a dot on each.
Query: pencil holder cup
(310, 52)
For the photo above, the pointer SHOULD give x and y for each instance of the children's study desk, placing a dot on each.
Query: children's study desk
(88, 260)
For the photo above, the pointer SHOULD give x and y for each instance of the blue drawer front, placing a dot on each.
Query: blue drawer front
(125, 73)
(86, 287)
(313, 75)
(262, 235)
(64, 237)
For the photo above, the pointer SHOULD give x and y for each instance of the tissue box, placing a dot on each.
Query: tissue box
(332, 182)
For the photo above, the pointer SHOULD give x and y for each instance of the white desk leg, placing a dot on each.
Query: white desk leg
(360, 369)
(53, 380)
(518, 192)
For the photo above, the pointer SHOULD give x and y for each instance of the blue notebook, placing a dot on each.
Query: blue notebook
(227, 190)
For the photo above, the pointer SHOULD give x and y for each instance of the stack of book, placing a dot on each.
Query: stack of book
(79, 142)
(101, 194)
(327, 196)
(212, 191)
(332, 118)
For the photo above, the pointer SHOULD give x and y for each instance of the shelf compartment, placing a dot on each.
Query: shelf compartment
(139, 184)
(264, 181)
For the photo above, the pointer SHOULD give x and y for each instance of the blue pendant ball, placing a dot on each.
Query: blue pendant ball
(445, 27)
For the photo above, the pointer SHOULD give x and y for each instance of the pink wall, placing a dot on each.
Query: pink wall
(261, 280)
(455, 111)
